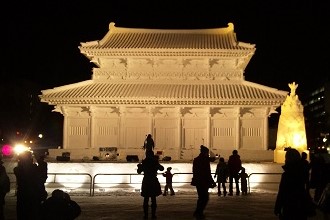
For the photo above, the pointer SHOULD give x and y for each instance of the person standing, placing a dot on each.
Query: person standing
(43, 175)
(291, 200)
(169, 177)
(28, 185)
(203, 180)
(222, 173)
(149, 143)
(243, 176)
(234, 166)
(150, 184)
(4, 188)
(318, 178)
(306, 168)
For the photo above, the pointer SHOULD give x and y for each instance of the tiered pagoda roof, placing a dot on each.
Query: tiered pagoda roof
(164, 93)
(130, 42)
(157, 42)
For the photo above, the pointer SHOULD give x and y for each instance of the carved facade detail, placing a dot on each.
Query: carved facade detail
(169, 68)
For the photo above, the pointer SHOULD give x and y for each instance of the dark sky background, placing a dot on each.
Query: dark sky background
(41, 39)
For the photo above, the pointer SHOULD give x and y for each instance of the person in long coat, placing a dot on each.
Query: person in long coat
(150, 184)
(292, 199)
(202, 179)
(234, 166)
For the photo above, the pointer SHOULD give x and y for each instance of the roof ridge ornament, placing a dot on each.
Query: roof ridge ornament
(230, 26)
(112, 25)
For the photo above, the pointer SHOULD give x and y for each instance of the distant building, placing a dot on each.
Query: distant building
(185, 87)
(317, 112)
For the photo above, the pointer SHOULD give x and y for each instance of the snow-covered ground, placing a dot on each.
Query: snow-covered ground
(124, 205)
(123, 201)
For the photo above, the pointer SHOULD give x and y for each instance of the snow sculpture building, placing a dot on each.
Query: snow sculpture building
(185, 87)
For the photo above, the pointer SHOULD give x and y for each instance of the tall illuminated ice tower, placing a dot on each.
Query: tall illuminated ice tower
(291, 127)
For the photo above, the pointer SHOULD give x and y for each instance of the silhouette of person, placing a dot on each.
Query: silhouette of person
(43, 175)
(150, 184)
(222, 173)
(203, 180)
(149, 143)
(234, 166)
(290, 202)
(59, 206)
(28, 185)
(306, 168)
(169, 177)
(244, 177)
(318, 180)
(4, 188)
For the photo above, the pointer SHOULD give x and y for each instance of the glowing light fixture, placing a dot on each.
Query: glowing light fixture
(19, 148)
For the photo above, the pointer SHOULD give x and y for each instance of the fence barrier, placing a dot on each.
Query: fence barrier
(122, 179)
(53, 178)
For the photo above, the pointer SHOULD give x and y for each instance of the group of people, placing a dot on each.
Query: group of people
(234, 171)
(202, 178)
(150, 184)
(294, 200)
(33, 202)
(30, 180)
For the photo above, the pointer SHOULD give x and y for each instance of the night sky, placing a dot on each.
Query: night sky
(41, 39)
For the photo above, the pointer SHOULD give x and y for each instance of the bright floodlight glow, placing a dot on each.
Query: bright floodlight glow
(19, 148)
(7, 150)
(110, 181)
(298, 139)
(40, 136)
(72, 181)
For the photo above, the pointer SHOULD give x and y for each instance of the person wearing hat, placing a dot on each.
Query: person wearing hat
(202, 179)
(169, 176)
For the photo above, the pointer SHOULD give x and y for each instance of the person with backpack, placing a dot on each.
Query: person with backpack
(4, 188)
